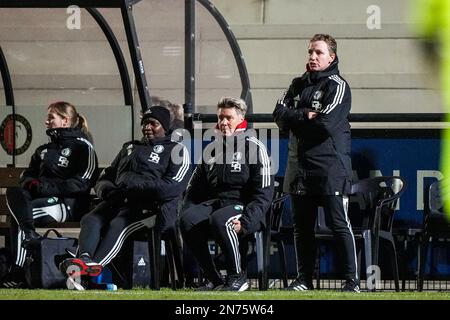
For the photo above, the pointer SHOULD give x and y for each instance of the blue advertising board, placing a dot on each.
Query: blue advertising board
(414, 159)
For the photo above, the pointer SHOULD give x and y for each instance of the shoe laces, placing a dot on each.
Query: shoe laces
(300, 283)
(351, 285)
(236, 280)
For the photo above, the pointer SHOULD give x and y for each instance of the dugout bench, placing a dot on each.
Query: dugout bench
(9, 177)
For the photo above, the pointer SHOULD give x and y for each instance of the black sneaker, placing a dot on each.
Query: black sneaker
(235, 282)
(5, 262)
(30, 239)
(351, 285)
(300, 285)
(209, 286)
(15, 279)
(82, 266)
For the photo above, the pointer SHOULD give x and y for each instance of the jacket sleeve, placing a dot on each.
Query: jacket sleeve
(172, 184)
(261, 190)
(336, 108)
(289, 119)
(196, 190)
(32, 172)
(109, 174)
(285, 115)
(86, 170)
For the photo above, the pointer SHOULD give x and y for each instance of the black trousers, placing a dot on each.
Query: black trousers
(305, 210)
(206, 221)
(29, 212)
(105, 229)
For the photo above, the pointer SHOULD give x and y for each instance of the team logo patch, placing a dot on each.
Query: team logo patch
(154, 157)
(63, 162)
(235, 166)
(316, 104)
(66, 152)
(318, 95)
(158, 148)
(237, 156)
(15, 135)
(52, 200)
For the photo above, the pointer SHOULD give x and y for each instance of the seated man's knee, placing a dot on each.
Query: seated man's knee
(14, 192)
(186, 220)
(184, 223)
(118, 223)
(166, 221)
(217, 222)
(90, 219)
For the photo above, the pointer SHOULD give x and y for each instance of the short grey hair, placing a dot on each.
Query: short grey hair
(230, 102)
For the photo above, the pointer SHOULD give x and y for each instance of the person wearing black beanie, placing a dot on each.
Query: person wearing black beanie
(159, 113)
(143, 180)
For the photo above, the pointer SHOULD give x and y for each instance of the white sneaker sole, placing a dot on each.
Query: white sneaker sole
(74, 285)
(244, 287)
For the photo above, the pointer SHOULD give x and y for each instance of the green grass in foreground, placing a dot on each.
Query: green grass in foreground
(167, 294)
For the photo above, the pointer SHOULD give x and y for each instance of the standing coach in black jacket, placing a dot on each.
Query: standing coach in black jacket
(227, 197)
(146, 175)
(315, 111)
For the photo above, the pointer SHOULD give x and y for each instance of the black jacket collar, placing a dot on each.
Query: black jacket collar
(154, 141)
(316, 76)
(56, 134)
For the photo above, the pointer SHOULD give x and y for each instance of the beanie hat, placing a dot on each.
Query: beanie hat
(159, 113)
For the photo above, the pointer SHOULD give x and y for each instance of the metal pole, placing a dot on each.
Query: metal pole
(136, 57)
(120, 60)
(9, 99)
(118, 55)
(189, 62)
(246, 94)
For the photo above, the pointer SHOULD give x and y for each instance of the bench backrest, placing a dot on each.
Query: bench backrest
(9, 177)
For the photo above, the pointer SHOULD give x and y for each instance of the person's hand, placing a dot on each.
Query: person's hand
(280, 102)
(312, 115)
(237, 226)
(116, 196)
(33, 187)
(104, 192)
(116, 193)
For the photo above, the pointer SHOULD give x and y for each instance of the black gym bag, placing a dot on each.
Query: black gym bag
(43, 259)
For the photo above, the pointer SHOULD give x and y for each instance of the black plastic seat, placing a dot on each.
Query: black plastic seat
(279, 234)
(173, 255)
(269, 234)
(435, 226)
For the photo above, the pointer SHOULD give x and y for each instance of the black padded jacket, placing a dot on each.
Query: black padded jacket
(238, 172)
(147, 171)
(65, 167)
(319, 149)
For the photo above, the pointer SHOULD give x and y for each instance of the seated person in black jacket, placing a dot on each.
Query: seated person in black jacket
(228, 196)
(143, 175)
(56, 185)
